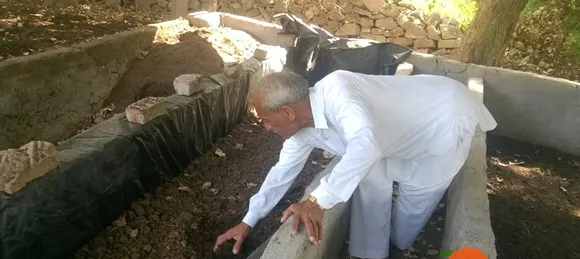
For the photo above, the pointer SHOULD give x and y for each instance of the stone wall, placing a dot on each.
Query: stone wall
(370, 19)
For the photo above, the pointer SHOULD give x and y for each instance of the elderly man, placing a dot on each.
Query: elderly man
(415, 130)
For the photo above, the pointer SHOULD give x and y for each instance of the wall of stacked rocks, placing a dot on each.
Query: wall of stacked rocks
(372, 19)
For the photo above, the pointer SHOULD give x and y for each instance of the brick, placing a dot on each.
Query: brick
(449, 44)
(185, 84)
(145, 110)
(21, 166)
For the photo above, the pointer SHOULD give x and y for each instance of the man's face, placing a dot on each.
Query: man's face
(282, 122)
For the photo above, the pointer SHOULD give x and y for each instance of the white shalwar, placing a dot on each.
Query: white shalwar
(415, 130)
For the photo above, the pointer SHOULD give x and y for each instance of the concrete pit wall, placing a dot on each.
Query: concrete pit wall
(532, 108)
(49, 95)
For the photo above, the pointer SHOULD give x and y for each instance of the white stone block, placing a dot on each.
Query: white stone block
(204, 19)
(20, 166)
(404, 69)
(185, 84)
(146, 110)
(475, 84)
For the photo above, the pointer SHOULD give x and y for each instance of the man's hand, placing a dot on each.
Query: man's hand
(238, 233)
(308, 213)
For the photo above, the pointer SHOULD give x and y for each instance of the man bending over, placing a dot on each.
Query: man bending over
(415, 130)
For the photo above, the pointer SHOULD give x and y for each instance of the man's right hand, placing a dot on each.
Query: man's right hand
(238, 233)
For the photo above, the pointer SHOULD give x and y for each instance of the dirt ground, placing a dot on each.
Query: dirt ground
(182, 218)
(27, 28)
(534, 200)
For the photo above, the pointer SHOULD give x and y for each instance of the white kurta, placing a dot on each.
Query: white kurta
(415, 130)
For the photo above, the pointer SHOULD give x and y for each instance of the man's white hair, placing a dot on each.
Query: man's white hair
(281, 88)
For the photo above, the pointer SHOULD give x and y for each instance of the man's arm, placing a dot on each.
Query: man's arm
(293, 156)
(362, 150)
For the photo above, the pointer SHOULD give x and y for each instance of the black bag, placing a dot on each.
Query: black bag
(318, 53)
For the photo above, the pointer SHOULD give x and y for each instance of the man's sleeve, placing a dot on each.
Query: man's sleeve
(362, 150)
(293, 156)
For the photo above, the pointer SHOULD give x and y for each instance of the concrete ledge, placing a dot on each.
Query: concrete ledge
(71, 84)
(335, 224)
(529, 107)
(467, 220)
(267, 33)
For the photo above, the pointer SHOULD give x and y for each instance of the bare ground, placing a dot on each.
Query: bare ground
(534, 200)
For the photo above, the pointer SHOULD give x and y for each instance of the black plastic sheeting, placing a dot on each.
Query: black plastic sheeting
(318, 52)
(109, 166)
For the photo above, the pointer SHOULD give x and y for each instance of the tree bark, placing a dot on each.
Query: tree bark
(491, 29)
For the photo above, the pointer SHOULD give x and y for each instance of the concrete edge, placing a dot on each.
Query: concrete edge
(282, 245)
(265, 32)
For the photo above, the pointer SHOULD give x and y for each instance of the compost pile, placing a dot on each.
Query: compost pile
(182, 218)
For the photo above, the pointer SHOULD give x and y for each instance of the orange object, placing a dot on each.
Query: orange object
(468, 253)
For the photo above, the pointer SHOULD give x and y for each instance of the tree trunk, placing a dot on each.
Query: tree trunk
(491, 29)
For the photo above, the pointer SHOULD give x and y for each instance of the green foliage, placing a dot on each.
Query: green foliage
(533, 5)
(572, 26)
(462, 10)
(446, 254)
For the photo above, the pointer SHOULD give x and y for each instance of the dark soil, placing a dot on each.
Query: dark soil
(27, 27)
(534, 200)
(183, 218)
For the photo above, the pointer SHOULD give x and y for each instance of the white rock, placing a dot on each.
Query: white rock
(397, 32)
(404, 69)
(433, 19)
(432, 32)
(402, 20)
(366, 22)
(20, 166)
(392, 10)
(145, 110)
(424, 43)
(401, 41)
(185, 84)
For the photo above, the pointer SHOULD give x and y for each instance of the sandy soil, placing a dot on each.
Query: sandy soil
(182, 218)
(534, 200)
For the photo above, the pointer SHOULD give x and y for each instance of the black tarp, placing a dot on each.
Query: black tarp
(109, 166)
(318, 53)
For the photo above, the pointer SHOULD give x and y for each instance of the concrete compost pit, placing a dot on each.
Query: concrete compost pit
(182, 218)
(204, 51)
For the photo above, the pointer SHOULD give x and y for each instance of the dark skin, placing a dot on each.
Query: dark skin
(285, 122)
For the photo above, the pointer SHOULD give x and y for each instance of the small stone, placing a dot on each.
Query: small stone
(348, 29)
(386, 23)
(219, 152)
(449, 21)
(361, 11)
(145, 110)
(415, 32)
(412, 250)
(402, 20)
(184, 188)
(332, 26)
(432, 252)
(186, 216)
(183, 243)
(147, 248)
(206, 185)
(433, 19)
(251, 185)
(441, 205)
(377, 16)
(169, 198)
(438, 229)
(133, 233)
(401, 41)
(379, 38)
(404, 69)
(377, 31)
(432, 32)
(449, 44)
(214, 190)
(366, 22)
(395, 33)
(374, 5)
(352, 18)
(423, 43)
(327, 155)
(239, 146)
(392, 10)
(335, 15)
(450, 32)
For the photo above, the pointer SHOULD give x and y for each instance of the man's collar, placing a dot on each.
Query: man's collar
(317, 111)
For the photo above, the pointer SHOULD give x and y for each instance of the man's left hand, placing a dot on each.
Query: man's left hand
(308, 213)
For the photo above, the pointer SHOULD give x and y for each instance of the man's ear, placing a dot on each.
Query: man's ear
(288, 112)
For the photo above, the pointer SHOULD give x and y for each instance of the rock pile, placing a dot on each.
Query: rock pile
(371, 19)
